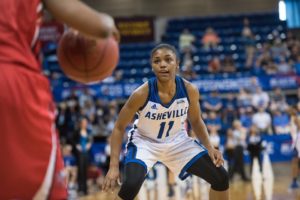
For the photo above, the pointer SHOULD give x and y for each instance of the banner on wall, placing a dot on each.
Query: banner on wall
(50, 32)
(135, 29)
(123, 90)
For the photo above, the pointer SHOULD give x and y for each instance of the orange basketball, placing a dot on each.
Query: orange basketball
(87, 60)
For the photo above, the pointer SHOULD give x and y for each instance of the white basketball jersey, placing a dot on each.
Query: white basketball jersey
(158, 121)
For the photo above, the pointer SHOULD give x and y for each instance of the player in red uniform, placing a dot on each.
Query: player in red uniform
(30, 161)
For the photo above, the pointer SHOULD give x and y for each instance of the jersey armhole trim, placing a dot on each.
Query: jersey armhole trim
(184, 89)
(146, 102)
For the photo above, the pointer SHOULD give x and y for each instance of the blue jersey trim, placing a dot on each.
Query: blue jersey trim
(184, 90)
(184, 174)
(148, 97)
(131, 155)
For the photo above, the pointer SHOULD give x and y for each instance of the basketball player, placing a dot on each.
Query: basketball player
(163, 104)
(30, 161)
(295, 133)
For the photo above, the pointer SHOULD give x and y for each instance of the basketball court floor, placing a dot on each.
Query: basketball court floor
(273, 184)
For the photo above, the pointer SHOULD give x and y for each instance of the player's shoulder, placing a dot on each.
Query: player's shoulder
(140, 94)
(191, 88)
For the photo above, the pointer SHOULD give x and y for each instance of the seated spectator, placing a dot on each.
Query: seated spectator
(228, 65)
(246, 117)
(278, 100)
(187, 70)
(243, 98)
(213, 102)
(281, 122)
(214, 65)
(283, 67)
(262, 120)
(186, 40)
(278, 49)
(210, 39)
(260, 98)
(229, 112)
(213, 122)
(270, 68)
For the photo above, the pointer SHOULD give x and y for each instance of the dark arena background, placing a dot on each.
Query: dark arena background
(244, 57)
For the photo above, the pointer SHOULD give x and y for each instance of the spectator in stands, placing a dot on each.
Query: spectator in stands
(297, 64)
(281, 122)
(229, 150)
(213, 102)
(278, 49)
(244, 99)
(239, 135)
(214, 65)
(83, 142)
(115, 77)
(61, 121)
(111, 117)
(270, 68)
(229, 113)
(214, 137)
(260, 98)
(249, 41)
(213, 122)
(254, 146)
(246, 31)
(228, 64)
(278, 100)
(210, 39)
(186, 40)
(262, 120)
(263, 59)
(85, 96)
(187, 70)
(246, 117)
(283, 67)
(70, 166)
(72, 118)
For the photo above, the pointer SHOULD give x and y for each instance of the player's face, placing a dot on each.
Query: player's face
(164, 64)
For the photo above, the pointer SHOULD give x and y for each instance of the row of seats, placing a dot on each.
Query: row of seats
(134, 57)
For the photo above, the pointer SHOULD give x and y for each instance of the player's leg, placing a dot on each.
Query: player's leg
(137, 162)
(216, 176)
(134, 177)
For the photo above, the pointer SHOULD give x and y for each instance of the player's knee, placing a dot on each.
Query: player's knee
(221, 182)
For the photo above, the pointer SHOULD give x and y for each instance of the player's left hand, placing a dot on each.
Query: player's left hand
(216, 156)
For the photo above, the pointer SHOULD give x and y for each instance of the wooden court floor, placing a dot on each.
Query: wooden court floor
(258, 189)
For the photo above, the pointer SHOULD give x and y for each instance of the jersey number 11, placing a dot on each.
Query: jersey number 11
(162, 129)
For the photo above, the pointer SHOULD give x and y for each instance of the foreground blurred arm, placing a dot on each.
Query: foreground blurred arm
(83, 18)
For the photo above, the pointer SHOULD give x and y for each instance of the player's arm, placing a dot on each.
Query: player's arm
(198, 126)
(134, 103)
(83, 18)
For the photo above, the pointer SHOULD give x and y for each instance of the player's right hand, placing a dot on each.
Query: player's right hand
(111, 178)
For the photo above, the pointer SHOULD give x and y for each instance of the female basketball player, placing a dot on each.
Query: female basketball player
(163, 104)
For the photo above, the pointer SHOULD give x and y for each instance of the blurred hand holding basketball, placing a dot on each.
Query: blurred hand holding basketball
(85, 59)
